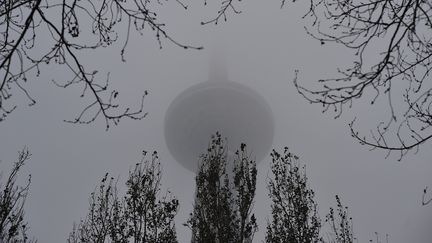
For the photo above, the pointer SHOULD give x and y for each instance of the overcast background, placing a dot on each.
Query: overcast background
(263, 47)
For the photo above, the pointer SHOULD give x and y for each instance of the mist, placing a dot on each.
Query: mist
(262, 47)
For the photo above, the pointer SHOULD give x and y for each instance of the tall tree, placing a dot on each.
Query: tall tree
(341, 226)
(150, 217)
(13, 226)
(294, 210)
(34, 33)
(104, 205)
(142, 215)
(225, 188)
(392, 58)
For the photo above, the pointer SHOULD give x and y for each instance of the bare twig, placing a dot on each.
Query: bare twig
(22, 22)
(405, 58)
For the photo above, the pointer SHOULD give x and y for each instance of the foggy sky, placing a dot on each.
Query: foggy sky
(263, 46)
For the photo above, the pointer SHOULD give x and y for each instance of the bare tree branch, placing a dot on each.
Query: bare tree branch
(424, 200)
(69, 28)
(401, 32)
(226, 5)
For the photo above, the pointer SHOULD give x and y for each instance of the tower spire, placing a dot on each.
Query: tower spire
(218, 69)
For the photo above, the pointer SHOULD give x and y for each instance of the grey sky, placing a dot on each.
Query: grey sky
(263, 46)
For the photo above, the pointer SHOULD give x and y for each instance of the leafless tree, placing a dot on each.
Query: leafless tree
(294, 210)
(34, 33)
(223, 203)
(13, 226)
(393, 58)
(142, 215)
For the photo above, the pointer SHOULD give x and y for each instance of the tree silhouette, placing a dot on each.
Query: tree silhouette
(294, 210)
(341, 225)
(57, 33)
(13, 227)
(103, 206)
(393, 58)
(223, 203)
(142, 215)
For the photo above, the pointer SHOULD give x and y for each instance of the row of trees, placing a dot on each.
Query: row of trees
(223, 208)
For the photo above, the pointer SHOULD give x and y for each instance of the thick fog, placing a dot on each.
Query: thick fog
(262, 46)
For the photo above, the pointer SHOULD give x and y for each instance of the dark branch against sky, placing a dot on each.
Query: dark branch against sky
(264, 45)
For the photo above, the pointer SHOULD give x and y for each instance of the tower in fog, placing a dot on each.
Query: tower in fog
(238, 112)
